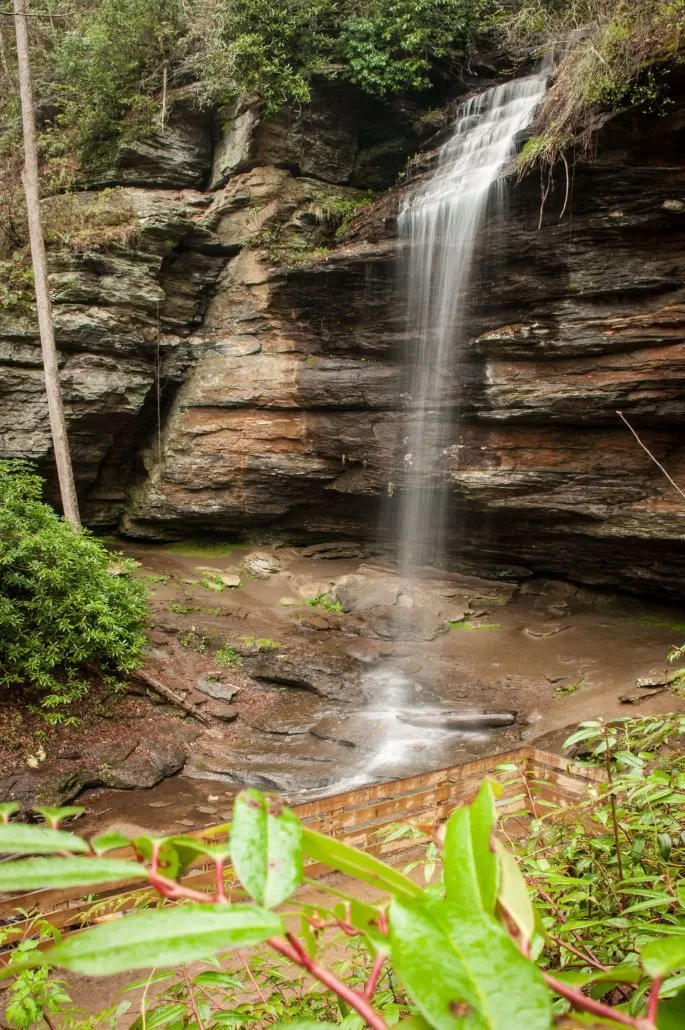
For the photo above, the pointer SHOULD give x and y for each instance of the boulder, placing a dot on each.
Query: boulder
(261, 564)
(359, 593)
(217, 691)
(146, 766)
(397, 623)
(221, 710)
(334, 677)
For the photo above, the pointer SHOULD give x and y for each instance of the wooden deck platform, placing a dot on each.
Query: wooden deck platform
(358, 817)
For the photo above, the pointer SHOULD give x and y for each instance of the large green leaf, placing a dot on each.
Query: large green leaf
(163, 937)
(513, 895)
(663, 956)
(34, 873)
(463, 971)
(671, 1014)
(346, 859)
(470, 863)
(22, 839)
(266, 847)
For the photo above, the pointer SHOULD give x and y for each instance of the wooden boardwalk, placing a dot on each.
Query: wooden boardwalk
(357, 817)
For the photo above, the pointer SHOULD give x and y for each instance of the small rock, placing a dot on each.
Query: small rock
(542, 632)
(207, 809)
(186, 822)
(554, 679)
(231, 580)
(657, 679)
(261, 564)
(405, 601)
(159, 804)
(217, 691)
(158, 636)
(318, 622)
(316, 588)
(220, 710)
(532, 718)
(452, 613)
(289, 602)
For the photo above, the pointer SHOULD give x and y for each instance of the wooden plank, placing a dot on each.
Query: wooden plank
(356, 817)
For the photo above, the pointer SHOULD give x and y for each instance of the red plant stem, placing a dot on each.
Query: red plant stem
(173, 891)
(293, 950)
(374, 976)
(220, 886)
(586, 958)
(582, 1002)
(249, 972)
(653, 1006)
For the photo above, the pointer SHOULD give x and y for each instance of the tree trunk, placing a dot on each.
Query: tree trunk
(58, 426)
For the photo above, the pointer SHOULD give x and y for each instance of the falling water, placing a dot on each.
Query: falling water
(440, 223)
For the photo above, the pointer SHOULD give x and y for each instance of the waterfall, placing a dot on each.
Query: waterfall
(440, 224)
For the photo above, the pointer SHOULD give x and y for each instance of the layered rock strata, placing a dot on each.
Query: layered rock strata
(236, 362)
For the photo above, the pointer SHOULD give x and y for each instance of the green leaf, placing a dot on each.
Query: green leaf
(163, 937)
(165, 1014)
(21, 839)
(470, 863)
(266, 847)
(671, 1015)
(663, 956)
(108, 842)
(223, 981)
(54, 816)
(463, 971)
(513, 896)
(34, 873)
(346, 859)
(7, 809)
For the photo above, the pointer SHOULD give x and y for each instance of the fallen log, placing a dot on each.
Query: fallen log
(144, 677)
(458, 720)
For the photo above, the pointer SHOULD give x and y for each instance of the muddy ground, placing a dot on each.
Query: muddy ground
(311, 671)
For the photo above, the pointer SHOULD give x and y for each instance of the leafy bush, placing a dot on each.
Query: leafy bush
(611, 54)
(606, 938)
(64, 615)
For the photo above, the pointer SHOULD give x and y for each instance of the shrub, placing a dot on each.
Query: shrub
(64, 616)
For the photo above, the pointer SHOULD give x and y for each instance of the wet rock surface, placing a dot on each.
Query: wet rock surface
(278, 345)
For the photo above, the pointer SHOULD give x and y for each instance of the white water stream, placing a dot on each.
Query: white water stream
(440, 223)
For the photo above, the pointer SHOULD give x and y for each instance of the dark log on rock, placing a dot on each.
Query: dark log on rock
(459, 720)
(154, 684)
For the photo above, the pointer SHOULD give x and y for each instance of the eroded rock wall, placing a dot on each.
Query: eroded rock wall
(237, 362)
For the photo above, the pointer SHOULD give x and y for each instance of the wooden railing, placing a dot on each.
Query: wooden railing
(358, 817)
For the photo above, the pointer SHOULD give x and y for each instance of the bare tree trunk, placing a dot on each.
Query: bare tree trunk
(58, 426)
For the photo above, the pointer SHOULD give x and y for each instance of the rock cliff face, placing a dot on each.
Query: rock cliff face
(232, 348)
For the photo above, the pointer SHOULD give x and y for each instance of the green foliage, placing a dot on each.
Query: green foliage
(17, 297)
(194, 641)
(468, 952)
(260, 643)
(109, 65)
(614, 54)
(63, 615)
(324, 601)
(228, 656)
(607, 871)
(34, 993)
(107, 69)
(392, 45)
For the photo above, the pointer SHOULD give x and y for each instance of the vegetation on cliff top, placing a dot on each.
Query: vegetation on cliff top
(66, 613)
(105, 68)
